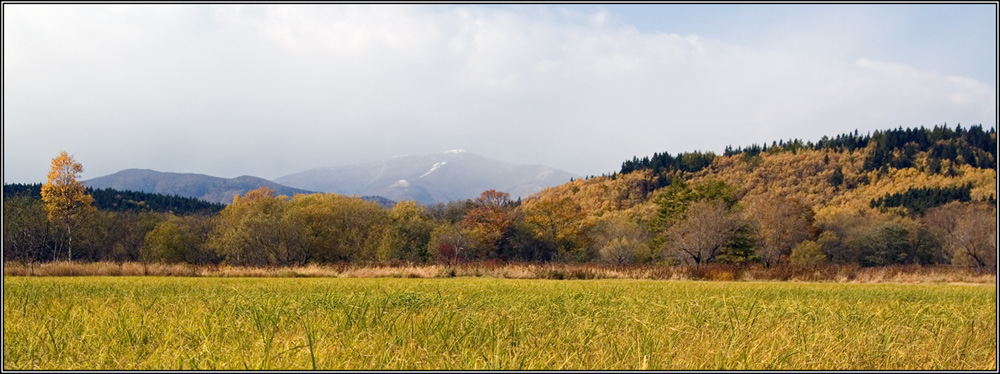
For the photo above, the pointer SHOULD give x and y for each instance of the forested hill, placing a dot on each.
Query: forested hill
(897, 148)
(912, 168)
(914, 195)
(108, 199)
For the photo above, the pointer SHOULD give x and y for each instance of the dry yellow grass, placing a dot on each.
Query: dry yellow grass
(827, 273)
(104, 323)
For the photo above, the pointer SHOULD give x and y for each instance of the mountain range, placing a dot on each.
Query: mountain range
(427, 179)
(199, 186)
(430, 178)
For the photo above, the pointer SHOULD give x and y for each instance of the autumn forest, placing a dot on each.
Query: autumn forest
(903, 196)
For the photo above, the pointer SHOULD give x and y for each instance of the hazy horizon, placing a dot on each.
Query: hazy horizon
(271, 90)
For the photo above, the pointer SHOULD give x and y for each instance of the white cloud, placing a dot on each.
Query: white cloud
(273, 90)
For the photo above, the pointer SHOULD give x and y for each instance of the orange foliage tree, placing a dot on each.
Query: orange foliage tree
(489, 220)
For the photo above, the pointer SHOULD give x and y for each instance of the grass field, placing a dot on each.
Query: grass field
(487, 323)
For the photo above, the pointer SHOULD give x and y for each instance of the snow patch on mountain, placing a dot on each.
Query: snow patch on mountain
(433, 168)
(454, 151)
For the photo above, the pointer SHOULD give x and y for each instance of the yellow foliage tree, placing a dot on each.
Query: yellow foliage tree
(406, 235)
(257, 230)
(339, 227)
(66, 200)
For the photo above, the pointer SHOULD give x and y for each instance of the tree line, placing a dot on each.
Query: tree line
(810, 206)
(110, 199)
(692, 224)
(896, 147)
(918, 200)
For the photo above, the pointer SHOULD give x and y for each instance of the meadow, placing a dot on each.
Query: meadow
(236, 323)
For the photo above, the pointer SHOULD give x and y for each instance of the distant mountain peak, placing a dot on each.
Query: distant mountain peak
(430, 178)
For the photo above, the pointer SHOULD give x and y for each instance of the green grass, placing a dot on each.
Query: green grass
(484, 323)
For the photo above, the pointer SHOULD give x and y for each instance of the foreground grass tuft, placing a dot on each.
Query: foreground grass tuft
(202, 323)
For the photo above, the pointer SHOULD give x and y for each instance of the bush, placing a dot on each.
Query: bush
(808, 253)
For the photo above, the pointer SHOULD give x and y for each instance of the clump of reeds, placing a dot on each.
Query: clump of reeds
(410, 271)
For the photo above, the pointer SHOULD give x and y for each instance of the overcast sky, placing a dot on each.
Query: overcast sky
(269, 90)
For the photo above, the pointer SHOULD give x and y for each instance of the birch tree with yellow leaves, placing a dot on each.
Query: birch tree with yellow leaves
(66, 200)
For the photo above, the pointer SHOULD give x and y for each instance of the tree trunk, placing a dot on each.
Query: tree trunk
(69, 233)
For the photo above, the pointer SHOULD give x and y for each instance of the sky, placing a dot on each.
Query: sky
(272, 90)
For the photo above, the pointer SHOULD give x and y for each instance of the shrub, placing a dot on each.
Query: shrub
(808, 253)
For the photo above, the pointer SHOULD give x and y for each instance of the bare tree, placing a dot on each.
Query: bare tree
(969, 232)
(619, 239)
(705, 230)
(25, 230)
(450, 244)
(781, 223)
